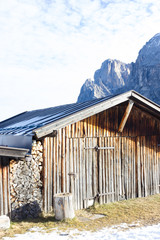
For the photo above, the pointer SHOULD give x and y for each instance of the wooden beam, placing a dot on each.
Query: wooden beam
(52, 134)
(95, 109)
(125, 116)
(87, 112)
(13, 152)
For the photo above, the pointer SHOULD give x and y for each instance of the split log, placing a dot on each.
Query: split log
(26, 184)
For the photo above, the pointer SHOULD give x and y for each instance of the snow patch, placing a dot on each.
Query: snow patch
(114, 233)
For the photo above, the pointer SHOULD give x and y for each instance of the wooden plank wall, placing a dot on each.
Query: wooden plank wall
(131, 170)
(148, 165)
(4, 187)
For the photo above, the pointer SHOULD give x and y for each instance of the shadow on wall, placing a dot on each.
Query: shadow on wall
(29, 210)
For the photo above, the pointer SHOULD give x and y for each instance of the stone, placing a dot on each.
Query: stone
(4, 222)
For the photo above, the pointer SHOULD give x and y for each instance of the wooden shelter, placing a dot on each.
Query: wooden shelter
(103, 150)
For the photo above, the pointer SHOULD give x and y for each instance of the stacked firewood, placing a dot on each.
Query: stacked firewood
(26, 184)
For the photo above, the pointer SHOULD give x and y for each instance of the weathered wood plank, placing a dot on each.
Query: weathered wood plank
(1, 188)
(119, 167)
(129, 167)
(78, 172)
(63, 159)
(100, 172)
(103, 169)
(84, 176)
(71, 184)
(8, 190)
(145, 167)
(74, 177)
(81, 142)
(94, 169)
(134, 169)
(116, 164)
(5, 187)
(138, 167)
(109, 172)
(91, 153)
(112, 169)
(126, 168)
(45, 176)
(54, 167)
(50, 170)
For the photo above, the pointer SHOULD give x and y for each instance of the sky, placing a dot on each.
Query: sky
(48, 48)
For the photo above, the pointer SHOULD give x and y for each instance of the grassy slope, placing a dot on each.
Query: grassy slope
(145, 211)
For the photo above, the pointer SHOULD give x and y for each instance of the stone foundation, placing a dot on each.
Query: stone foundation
(26, 184)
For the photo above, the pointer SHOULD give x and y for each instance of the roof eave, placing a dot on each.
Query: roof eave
(13, 152)
(90, 111)
(145, 100)
(97, 108)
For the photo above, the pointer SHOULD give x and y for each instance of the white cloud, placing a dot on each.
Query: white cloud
(48, 47)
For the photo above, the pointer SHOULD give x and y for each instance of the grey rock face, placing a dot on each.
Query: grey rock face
(115, 72)
(112, 75)
(117, 77)
(145, 75)
(149, 55)
(91, 90)
(146, 80)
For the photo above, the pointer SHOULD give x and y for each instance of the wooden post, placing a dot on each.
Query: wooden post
(125, 116)
(63, 206)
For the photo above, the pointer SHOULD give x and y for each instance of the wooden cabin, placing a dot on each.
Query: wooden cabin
(102, 150)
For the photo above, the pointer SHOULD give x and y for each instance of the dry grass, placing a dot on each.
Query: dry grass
(145, 211)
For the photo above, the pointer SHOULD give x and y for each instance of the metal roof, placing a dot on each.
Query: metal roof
(26, 122)
(31, 122)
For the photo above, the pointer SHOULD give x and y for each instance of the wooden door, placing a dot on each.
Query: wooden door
(90, 169)
(102, 169)
(106, 169)
(94, 171)
(83, 171)
(4, 186)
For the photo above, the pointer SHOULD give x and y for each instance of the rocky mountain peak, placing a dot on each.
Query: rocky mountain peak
(149, 55)
(115, 76)
(114, 71)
